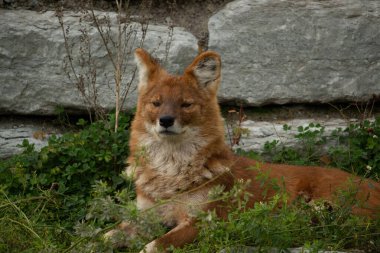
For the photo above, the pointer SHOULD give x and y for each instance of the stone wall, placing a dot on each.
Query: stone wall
(273, 53)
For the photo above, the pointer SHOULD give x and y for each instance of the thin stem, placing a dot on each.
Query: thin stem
(97, 25)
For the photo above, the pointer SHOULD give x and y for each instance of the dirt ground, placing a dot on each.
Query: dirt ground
(191, 14)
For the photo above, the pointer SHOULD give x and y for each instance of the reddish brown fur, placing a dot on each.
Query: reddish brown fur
(185, 164)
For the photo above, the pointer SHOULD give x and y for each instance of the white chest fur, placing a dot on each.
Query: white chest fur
(172, 155)
(172, 165)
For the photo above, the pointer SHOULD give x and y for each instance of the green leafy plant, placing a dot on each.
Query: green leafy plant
(70, 165)
(310, 140)
(355, 149)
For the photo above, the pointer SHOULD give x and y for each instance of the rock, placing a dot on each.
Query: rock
(272, 51)
(298, 51)
(14, 131)
(260, 132)
(11, 139)
(32, 52)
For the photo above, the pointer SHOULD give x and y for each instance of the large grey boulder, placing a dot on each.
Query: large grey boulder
(32, 52)
(298, 51)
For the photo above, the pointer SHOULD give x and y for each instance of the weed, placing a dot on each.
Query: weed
(118, 35)
(234, 128)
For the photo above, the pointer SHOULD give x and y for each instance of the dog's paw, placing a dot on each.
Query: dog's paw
(120, 236)
(116, 238)
(150, 248)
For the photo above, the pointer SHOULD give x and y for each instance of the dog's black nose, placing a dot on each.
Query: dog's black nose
(166, 121)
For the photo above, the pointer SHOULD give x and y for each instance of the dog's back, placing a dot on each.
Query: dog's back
(309, 183)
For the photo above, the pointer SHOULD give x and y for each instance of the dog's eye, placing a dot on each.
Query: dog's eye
(186, 105)
(156, 103)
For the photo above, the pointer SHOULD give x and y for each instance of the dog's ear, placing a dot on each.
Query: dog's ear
(146, 65)
(206, 69)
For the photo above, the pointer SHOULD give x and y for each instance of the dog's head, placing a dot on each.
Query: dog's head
(169, 106)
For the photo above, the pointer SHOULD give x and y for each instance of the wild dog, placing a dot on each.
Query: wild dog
(178, 152)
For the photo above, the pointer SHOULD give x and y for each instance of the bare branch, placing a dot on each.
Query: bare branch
(97, 25)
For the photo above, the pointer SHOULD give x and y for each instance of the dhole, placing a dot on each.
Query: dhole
(178, 152)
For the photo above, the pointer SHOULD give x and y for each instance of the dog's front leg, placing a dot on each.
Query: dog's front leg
(184, 232)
